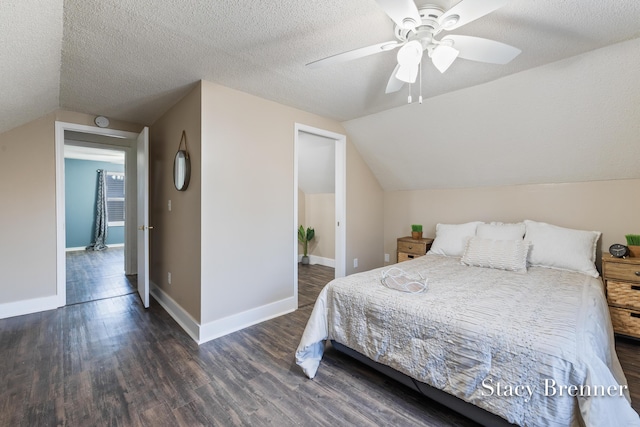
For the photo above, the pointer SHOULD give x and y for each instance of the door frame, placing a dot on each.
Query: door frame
(123, 140)
(142, 214)
(340, 195)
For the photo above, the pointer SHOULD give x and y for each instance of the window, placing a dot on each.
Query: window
(115, 198)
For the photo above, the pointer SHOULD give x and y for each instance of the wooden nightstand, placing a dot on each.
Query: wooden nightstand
(622, 280)
(409, 248)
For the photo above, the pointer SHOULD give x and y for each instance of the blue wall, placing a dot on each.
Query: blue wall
(81, 186)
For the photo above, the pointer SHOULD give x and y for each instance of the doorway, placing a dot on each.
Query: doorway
(320, 197)
(94, 273)
(108, 140)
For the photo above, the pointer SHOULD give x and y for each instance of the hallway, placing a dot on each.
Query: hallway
(95, 275)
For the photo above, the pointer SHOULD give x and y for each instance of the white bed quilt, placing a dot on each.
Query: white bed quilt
(506, 342)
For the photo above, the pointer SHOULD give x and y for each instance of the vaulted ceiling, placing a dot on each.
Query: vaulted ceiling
(132, 59)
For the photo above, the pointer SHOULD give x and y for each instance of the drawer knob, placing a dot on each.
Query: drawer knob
(637, 273)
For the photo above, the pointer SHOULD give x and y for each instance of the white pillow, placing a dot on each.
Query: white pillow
(562, 248)
(500, 231)
(508, 255)
(451, 238)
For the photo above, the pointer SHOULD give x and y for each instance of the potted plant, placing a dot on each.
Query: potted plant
(416, 231)
(633, 241)
(304, 237)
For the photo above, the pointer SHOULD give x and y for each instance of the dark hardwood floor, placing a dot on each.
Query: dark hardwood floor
(311, 280)
(94, 275)
(111, 362)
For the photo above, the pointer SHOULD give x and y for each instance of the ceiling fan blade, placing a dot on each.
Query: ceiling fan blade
(354, 54)
(403, 12)
(483, 50)
(394, 83)
(467, 11)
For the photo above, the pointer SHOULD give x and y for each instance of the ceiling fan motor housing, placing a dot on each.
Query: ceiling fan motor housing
(429, 24)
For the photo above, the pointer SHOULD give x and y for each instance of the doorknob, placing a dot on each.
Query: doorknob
(144, 227)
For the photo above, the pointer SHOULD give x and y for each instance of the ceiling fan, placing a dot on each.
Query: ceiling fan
(416, 30)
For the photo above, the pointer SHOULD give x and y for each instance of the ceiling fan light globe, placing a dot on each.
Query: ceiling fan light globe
(443, 56)
(407, 73)
(410, 54)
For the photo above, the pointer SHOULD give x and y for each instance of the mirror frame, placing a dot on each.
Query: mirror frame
(186, 175)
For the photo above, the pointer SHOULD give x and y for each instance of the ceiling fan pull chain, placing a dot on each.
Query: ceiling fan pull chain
(420, 96)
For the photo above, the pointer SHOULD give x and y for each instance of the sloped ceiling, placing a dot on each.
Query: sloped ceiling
(570, 121)
(316, 164)
(133, 59)
(30, 46)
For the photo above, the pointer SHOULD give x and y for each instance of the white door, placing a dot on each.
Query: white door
(143, 216)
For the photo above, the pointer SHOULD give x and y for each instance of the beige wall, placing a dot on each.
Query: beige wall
(27, 216)
(88, 120)
(320, 214)
(365, 213)
(248, 228)
(242, 234)
(28, 213)
(175, 240)
(610, 207)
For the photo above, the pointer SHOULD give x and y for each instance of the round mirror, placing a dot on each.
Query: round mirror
(181, 170)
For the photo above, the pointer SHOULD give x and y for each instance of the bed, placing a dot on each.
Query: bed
(529, 346)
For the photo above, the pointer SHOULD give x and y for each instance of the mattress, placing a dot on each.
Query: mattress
(534, 348)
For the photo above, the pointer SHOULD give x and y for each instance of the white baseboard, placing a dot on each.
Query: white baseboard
(236, 322)
(327, 262)
(218, 328)
(82, 248)
(35, 305)
(175, 310)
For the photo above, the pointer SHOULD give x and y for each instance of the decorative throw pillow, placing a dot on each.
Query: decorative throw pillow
(451, 238)
(500, 231)
(562, 248)
(510, 255)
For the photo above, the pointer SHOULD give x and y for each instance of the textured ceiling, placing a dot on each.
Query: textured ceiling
(132, 59)
(30, 46)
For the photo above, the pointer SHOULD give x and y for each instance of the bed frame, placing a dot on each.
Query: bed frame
(473, 412)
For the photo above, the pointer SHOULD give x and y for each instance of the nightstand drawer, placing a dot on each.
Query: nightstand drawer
(403, 256)
(417, 248)
(625, 322)
(624, 294)
(623, 271)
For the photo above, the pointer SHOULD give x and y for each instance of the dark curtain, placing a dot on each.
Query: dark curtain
(100, 237)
